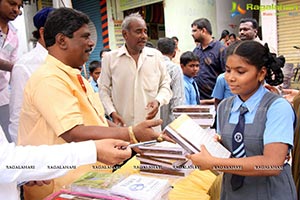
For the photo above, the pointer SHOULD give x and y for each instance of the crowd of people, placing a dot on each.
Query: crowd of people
(51, 115)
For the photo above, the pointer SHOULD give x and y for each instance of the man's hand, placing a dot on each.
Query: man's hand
(144, 132)
(109, 151)
(153, 109)
(38, 183)
(5, 65)
(117, 119)
(289, 94)
(272, 89)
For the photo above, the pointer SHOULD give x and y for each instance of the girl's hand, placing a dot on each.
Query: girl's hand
(203, 159)
(218, 138)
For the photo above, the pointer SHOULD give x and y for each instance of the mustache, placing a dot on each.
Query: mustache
(88, 50)
(144, 41)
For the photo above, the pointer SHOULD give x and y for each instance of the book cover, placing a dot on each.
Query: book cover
(166, 155)
(164, 148)
(164, 162)
(197, 115)
(190, 136)
(193, 108)
(140, 187)
(203, 115)
(96, 182)
(179, 170)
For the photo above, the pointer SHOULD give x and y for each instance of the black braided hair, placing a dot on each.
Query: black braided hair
(274, 64)
(258, 55)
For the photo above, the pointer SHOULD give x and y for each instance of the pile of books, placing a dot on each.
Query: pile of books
(164, 158)
(203, 115)
(140, 187)
(190, 136)
(96, 183)
(95, 186)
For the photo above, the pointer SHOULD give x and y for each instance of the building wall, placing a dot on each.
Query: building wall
(180, 15)
(269, 25)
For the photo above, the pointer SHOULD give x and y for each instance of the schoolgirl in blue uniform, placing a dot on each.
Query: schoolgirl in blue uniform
(262, 171)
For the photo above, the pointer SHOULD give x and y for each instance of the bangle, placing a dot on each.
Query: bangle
(131, 135)
(160, 138)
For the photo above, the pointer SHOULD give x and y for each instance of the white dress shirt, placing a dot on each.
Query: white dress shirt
(25, 163)
(127, 87)
(8, 51)
(21, 72)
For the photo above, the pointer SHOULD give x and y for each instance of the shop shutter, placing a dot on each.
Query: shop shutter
(92, 9)
(288, 26)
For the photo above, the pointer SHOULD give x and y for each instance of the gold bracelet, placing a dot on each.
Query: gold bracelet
(160, 138)
(131, 135)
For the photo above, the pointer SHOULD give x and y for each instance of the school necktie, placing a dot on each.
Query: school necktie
(197, 93)
(238, 147)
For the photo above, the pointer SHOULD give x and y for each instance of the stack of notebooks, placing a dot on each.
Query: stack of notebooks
(95, 186)
(203, 115)
(164, 158)
(190, 136)
(170, 159)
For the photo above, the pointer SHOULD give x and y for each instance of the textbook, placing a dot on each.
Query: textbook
(166, 150)
(190, 136)
(96, 182)
(177, 171)
(192, 108)
(164, 147)
(163, 158)
(163, 162)
(139, 187)
(203, 115)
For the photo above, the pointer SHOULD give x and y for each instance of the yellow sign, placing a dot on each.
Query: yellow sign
(118, 33)
(129, 4)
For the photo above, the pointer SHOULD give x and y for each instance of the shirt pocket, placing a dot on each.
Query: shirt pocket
(151, 84)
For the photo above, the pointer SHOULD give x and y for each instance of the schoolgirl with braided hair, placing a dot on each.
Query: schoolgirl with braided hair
(258, 169)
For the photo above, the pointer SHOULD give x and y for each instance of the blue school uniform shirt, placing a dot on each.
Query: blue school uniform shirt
(189, 91)
(221, 89)
(94, 85)
(280, 117)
